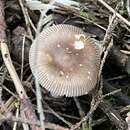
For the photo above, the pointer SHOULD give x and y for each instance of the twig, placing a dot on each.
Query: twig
(39, 104)
(128, 7)
(48, 125)
(97, 98)
(2, 21)
(77, 13)
(8, 106)
(24, 10)
(113, 115)
(1, 84)
(64, 115)
(99, 121)
(105, 55)
(123, 97)
(25, 103)
(10, 92)
(94, 104)
(1, 95)
(107, 41)
(93, 108)
(81, 112)
(112, 93)
(58, 116)
(39, 97)
(43, 14)
(112, 24)
(114, 12)
(7, 59)
(30, 21)
(15, 123)
(125, 52)
(22, 62)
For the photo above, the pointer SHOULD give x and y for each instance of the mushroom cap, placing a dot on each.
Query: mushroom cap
(65, 60)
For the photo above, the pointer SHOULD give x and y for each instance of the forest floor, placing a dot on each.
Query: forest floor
(25, 105)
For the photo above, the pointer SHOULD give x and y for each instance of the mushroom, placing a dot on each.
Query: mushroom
(65, 60)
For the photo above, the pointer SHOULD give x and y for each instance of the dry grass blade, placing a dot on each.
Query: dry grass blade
(11, 69)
